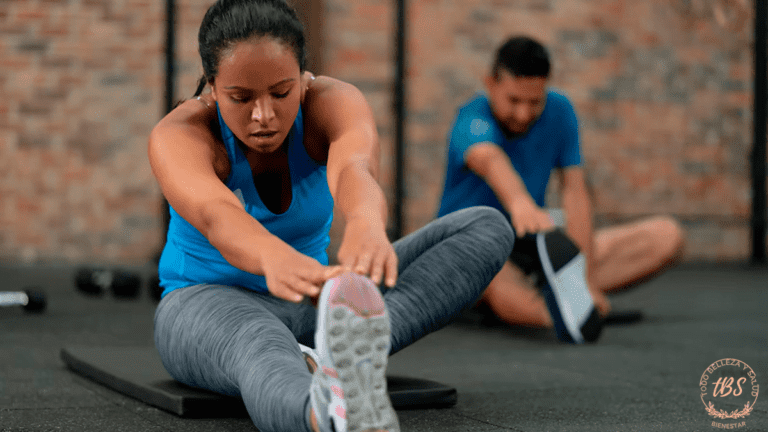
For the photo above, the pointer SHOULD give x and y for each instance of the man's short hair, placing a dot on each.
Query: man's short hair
(522, 57)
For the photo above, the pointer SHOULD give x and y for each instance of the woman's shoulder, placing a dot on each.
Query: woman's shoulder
(323, 88)
(199, 112)
(323, 107)
(329, 102)
(199, 107)
(193, 122)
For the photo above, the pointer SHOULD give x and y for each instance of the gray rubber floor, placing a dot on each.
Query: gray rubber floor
(639, 377)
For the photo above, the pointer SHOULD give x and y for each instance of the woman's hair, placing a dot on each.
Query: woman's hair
(228, 22)
(523, 57)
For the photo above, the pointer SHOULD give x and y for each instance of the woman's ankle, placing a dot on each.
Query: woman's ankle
(313, 421)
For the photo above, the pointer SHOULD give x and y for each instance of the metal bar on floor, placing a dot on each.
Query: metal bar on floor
(758, 159)
(399, 108)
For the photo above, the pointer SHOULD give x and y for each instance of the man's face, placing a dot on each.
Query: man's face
(517, 102)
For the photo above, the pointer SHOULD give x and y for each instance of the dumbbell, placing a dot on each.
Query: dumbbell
(96, 281)
(155, 290)
(30, 300)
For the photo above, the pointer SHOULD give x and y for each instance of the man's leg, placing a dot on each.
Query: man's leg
(512, 294)
(628, 254)
(513, 298)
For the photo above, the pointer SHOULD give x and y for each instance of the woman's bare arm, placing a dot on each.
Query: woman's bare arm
(343, 117)
(183, 152)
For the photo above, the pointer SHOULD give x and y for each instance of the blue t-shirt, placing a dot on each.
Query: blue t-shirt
(189, 258)
(551, 142)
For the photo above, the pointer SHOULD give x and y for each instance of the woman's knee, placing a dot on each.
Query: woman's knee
(492, 223)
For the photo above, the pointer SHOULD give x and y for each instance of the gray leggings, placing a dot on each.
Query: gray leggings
(244, 343)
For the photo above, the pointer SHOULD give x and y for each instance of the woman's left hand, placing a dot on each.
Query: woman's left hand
(366, 250)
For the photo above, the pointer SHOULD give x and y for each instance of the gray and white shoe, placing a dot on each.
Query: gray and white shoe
(352, 340)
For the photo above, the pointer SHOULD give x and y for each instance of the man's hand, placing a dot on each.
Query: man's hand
(291, 275)
(491, 163)
(366, 250)
(529, 218)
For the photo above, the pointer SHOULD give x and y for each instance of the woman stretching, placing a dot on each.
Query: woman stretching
(252, 171)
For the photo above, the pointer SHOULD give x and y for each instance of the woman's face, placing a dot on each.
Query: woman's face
(258, 92)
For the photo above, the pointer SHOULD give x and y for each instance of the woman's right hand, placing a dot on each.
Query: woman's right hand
(292, 275)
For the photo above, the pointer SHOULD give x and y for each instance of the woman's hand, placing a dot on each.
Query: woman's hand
(366, 250)
(292, 275)
(344, 126)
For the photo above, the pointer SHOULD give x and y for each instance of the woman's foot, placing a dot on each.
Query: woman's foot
(310, 358)
(349, 387)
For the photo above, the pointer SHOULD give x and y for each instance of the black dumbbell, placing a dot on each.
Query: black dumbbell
(155, 290)
(96, 281)
(31, 300)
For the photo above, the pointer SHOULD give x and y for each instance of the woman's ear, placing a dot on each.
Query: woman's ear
(306, 81)
(214, 93)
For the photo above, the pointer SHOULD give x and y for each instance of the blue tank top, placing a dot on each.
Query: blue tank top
(188, 257)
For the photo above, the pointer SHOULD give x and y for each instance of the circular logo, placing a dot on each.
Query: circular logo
(729, 389)
(479, 127)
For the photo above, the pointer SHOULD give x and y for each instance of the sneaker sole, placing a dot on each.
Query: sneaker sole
(354, 325)
(565, 289)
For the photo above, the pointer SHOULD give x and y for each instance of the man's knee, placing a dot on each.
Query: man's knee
(670, 237)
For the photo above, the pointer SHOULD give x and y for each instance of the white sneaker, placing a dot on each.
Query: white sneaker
(352, 339)
(565, 288)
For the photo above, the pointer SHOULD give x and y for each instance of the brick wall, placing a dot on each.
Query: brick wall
(81, 84)
(662, 91)
(358, 48)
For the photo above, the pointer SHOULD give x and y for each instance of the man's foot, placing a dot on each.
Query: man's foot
(601, 301)
(349, 387)
(565, 288)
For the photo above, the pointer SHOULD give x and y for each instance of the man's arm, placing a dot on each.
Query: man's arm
(578, 209)
(490, 163)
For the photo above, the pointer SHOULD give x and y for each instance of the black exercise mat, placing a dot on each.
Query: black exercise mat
(138, 372)
(623, 317)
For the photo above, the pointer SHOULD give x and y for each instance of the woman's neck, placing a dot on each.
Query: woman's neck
(273, 162)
